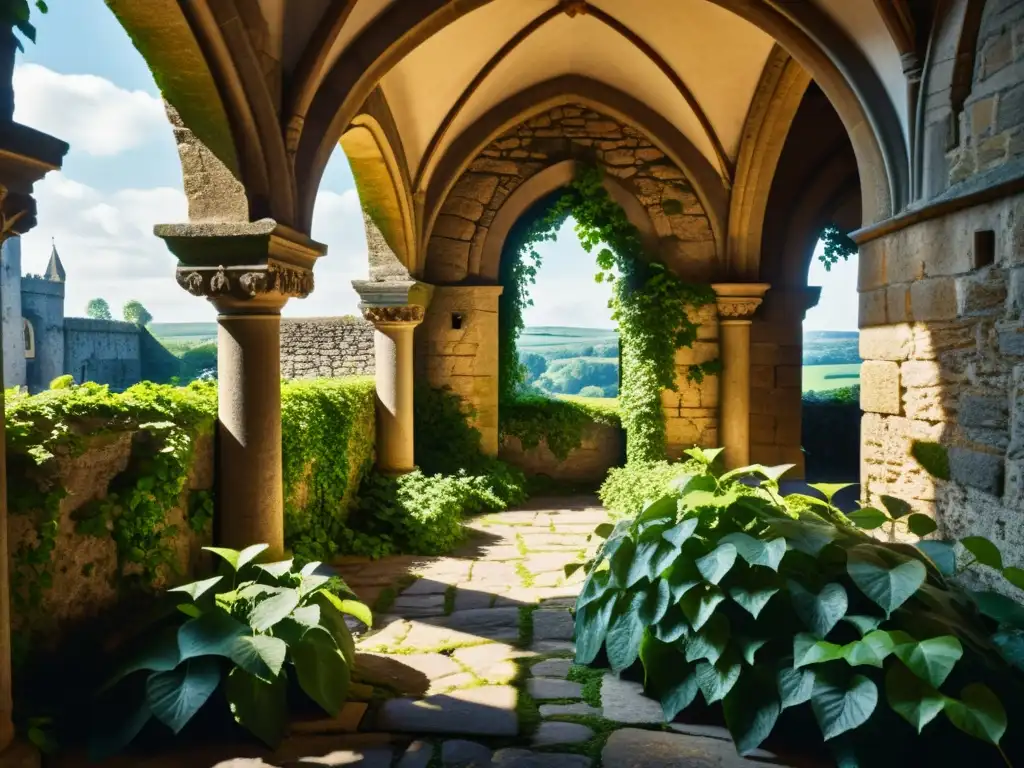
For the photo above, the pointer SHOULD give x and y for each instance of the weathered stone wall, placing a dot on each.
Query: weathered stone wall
(326, 347)
(602, 447)
(691, 412)
(943, 344)
(104, 351)
(570, 133)
(990, 128)
(85, 568)
(456, 347)
(11, 318)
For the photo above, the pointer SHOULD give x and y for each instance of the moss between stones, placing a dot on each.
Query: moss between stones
(591, 680)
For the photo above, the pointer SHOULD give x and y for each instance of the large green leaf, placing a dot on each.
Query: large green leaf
(667, 676)
(197, 588)
(868, 518)
(680, 691)
(921, 525)
(659, 510)
(175, 696)
(682, 576)
(333, 620)
(237, 559)
(896, 508)
(161, 655)
(655, 604)
(941, 553)
(749, 646)
(323, 673)
(751, 710)
(699, 604)
(751, 591)
(931, 660)
(1000, 608)
(716, 680)
(871, 650)
(795, 686)
(829, 490)
(864, 624)
(268, 612)
(354, 608)
(278, 569)
(261, 707)
(595, 587)
(117, 720)
(622, 562)
(819, 612)
(709, 643)
(213, 634)
(653, 555)
(592, 627)
(887, 578)
(625, 631)
(1011, 646)
(717, 563)
(984, 551)
(805, 536)
(840, 705)
(978, 713)
(756, 552)
(1014, 575)
(807, 650)
(679, 533)
(673, 625)
(911, 697)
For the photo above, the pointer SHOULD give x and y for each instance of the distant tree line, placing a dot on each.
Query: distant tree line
(132, 312)
(589, 371)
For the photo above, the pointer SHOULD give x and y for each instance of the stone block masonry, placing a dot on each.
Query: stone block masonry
(949, 369)
(326, 347)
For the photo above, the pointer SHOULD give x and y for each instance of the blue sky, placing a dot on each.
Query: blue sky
(85, 83)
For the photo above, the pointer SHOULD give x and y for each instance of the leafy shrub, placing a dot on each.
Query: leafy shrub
(838, 396)
(720, 588)
(559, 423)
(445, 442)
(570, 376)
(591, 391)
(626, 489)
(269, 624)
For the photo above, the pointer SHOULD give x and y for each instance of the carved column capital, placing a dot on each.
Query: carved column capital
(737, 302)
(407, 314)
(259, 285)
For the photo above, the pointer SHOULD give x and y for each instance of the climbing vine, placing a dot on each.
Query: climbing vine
(652, 306)
(838, 245)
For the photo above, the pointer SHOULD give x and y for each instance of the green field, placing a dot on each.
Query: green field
(818, 378)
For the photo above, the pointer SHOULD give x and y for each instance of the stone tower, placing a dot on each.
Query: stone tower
(42, 304)
(11, 315)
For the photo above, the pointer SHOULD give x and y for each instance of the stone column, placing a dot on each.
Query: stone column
(260, 266)
(393, 342)
(737, 303)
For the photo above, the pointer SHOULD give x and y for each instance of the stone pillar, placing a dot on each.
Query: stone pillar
(26, 155)
(260, 266)
(737, 303)
(393, 344)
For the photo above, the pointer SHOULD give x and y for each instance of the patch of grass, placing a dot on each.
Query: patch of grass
(591, 680)
(449, 599)
(592, 748)
(527, 578)
(521, 545)
(526, 625)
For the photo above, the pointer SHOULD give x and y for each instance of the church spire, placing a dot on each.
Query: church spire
(54, 269)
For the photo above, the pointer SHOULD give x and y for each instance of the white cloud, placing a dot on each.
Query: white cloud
(89, 112)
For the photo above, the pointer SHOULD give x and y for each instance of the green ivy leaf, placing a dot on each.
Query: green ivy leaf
(270, 611)
(871, 650)
(840, 706)
(807, 650)
(190, 610)
(805, 536)
(984, 551)
(819, 612)
(921, 525)
(751, 710)
(673, 625)
(592, 627)
(896, 508)
(941, 553)
(699, 604)
(570, 568)
(354, 608)
(828, 490)
(979, 713)
(716, 680)
(333, 620)
(912, 698)
(1011, 646)
(1014, 575)
(756, 552)
(321, 669)
(709, 642)
(678, 534)
(625, 631)
(276, 570)
(682, 576)
(175, 696)
(197, 588)
(655, 604)
(595, 587)
(864, 624)
(1000, 608)
(237, 559)
(868, 518)
(932, 660)
(161, 655)
(717, 563)
(749, 646)
(604, 530)
(886, 577)
(259, 706)
(795, 686)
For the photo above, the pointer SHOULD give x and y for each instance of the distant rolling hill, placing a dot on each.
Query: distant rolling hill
(184, 331)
